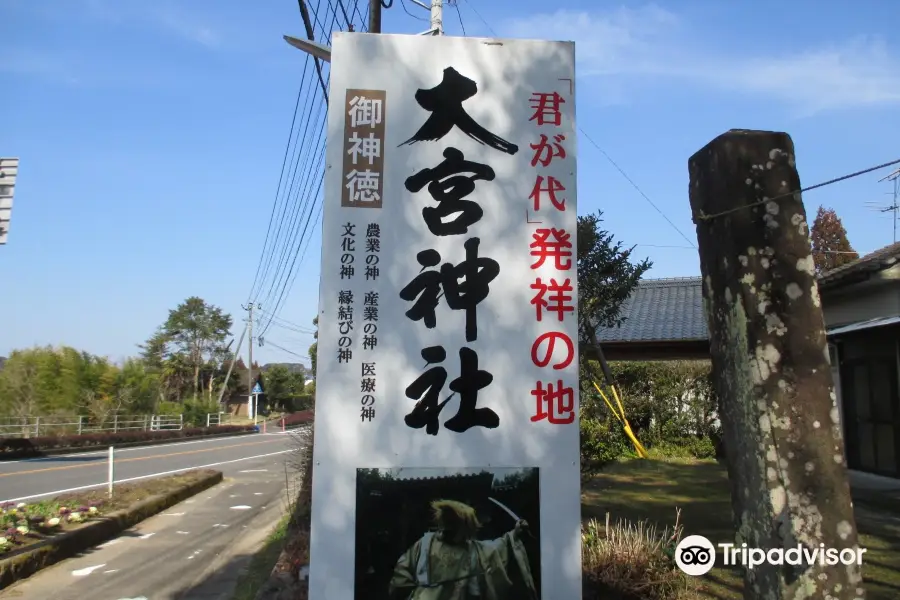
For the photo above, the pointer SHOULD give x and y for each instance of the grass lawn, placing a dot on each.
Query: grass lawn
(260, 568)
(652, 489)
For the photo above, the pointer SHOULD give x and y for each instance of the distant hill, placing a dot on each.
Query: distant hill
(292, 367)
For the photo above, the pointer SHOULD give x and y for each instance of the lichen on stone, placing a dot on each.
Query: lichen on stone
(806, 265)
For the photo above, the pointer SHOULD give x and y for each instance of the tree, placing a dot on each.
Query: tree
(314, 348)
(606, 278)
(198, 330)
(63, 381)
(19, 386)
(281, 386)
(830, 246)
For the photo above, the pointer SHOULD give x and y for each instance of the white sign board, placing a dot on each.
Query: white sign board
(9, 170)
(447, 384)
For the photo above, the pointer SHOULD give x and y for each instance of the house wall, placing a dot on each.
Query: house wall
(879, 297)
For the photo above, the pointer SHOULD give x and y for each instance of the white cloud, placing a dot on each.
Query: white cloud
(650, 43)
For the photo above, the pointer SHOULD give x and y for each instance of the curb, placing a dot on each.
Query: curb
(101, 447)
(54, 550)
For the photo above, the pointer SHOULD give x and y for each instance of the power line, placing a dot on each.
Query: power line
(478, 14)
(704, 217)
(602, 151)
(297, 255)
(287, 188)
(635, 186)
(283, 349)
(303, 254)
(344, 12)
(284, 277)
(293, 339)
(280, 178)
(414, 16)
(459, 15)
(300, 200)
(284, 192)
(284, 323)
(288, 253)
(289, 224)
(283, 320)
(693, 248)
(288, 242)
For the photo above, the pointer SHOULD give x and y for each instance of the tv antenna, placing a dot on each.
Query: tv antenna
(894, 206)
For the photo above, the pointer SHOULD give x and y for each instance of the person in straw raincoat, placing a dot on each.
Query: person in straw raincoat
(450, 564)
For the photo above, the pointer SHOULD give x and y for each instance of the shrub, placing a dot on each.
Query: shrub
(632, 561)
(602, 442)
(303, 402)
(671, 406)
(195, 410)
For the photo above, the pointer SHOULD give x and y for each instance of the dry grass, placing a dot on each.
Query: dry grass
(632, 560)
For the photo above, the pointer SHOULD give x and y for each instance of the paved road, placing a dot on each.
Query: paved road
(31, 478)
(193, 551)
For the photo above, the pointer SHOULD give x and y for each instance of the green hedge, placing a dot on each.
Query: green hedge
(671, 406)
(27, 447)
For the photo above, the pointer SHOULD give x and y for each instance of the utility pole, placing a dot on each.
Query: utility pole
(784, 443)
(375, 16)
(234, 357)
(250, 404)
(437, 17)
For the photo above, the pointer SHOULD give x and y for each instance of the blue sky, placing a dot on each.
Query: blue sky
(151, 137)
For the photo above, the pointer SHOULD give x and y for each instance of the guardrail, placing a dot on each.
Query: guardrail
(71, 424)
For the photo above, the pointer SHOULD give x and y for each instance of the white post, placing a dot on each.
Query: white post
(80, 423)
(111, 470)
(437, 17)
(208, 415)
(37, 427)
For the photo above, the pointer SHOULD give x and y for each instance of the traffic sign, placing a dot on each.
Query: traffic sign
(257, 389)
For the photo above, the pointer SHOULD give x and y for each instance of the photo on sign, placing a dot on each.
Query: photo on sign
(453, 534)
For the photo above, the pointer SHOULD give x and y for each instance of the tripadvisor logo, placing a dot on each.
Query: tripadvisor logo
(696, 555)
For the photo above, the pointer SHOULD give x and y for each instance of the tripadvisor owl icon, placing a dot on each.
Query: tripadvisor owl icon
(695, 555)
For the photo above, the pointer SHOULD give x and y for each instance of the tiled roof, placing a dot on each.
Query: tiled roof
(870, 263)
(661, 310)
